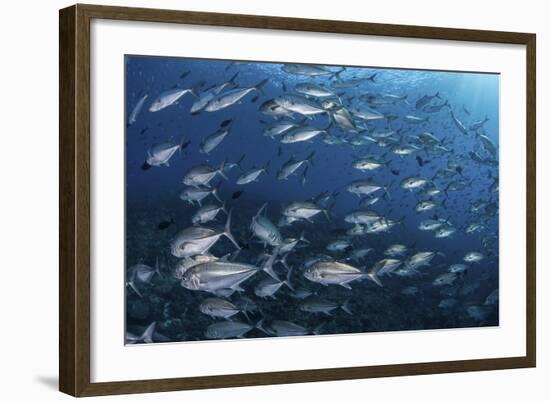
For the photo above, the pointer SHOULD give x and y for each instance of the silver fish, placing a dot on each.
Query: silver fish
(338, 245)
(420, 259)
(222, 330)
(282, 328)
(217, 275)
(359, 254)
(290, 167)
(383, 267)
(445, 279)
(280, 128)
(488, 144)
(478, 124)
(141, 274)
(271, 108)
(414, 183)
(320, 305)
(197, 240)
(365, 113)
(207, 213)
(299, 104)
(160, 154)
(415, 119)
(200, 176)
(137, 109)
(218, 308)
(361, 217)
(252, 175)
(365, 187)
(444, 232)
(207, 96)
(169, 98)
(309, 70)
(332, 272)
(304, 211)
(343, 118)
(301, 134)
(459, 124)
(424, 100)
(213, 140)
(186, 263)
(368, 163)
(474, 257)
(436, 107)
(396, 250)
(314, 90)
(230, 97)
(265, 230)
(431, 225)
(197, 194)
(458, 268)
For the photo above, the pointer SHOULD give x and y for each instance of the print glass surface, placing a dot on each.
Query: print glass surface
(267, 199)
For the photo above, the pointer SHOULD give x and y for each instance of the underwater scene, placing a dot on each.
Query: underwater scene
(280, 199)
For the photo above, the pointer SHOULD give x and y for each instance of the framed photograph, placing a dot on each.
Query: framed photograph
(238, 189)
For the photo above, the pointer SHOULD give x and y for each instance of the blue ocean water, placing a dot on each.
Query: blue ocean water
(462, 166)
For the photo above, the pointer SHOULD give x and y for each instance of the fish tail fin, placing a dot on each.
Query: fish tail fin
(304, 175)
(374, 277)
(287, 281)
(232, 80)
(182, 143)
(134, 288)
(260, 210)
(387, 194)
(371, 78)
(406, 100)
(336, 75)
(309, 158)
(259, 86)
(227, 231)
(260, 325)
(304, 239)
(147, 336)
(268, 265)
(266, 166)
(223, 208)
(220, 170)
(486, 118)
(195, 89)
(238, 162)
(157, 268)
(245, 314)
(345, 307)
(437, 95)
(327, 211)
(215, 192)
(284, 263)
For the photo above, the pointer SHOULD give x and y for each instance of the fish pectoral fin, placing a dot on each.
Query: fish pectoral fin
(346, 285)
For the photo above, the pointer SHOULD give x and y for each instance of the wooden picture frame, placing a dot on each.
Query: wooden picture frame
(74, 203)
